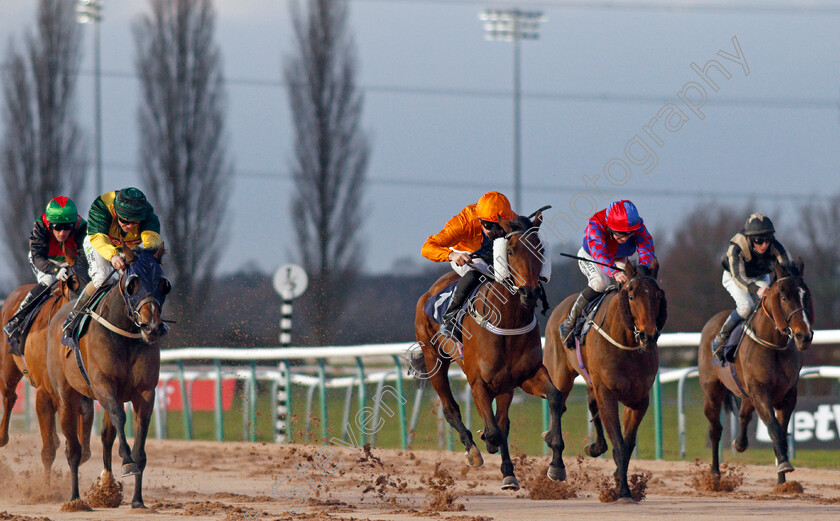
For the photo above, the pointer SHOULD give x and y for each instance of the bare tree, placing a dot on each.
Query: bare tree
(42, 152)
(330, 156)
(820, 238)
(183, 152)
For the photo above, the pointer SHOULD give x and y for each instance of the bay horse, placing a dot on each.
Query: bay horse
(34, 362)
(766, 365)
(121, 356)
(501, 350)
(620, 360)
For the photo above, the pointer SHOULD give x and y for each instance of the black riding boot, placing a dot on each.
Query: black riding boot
(463, 289)
(568, 326)
(75, 315)
(12, 329)
(725, 330)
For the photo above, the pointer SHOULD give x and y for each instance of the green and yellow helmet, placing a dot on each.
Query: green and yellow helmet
(61, 210)
(131, 205)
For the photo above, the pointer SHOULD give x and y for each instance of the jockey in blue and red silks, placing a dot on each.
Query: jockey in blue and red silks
(613, 235)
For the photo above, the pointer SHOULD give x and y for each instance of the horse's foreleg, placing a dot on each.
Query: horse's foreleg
(143, 405)
(117, 414)
(608, 410)
(451, 411)
(69, 419)
(8, 383)
(745, 415)
(714, 393)
(541, 385)
(108, 435)
(509, 481)
(599, 446)
(765, 411)
(632, 418)
(783, 415)
(85, 425)
(46, 421)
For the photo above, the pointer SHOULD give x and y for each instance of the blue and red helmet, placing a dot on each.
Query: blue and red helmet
(622, 216)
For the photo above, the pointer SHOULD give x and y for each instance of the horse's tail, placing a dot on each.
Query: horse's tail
(731, 403)
(417, 369)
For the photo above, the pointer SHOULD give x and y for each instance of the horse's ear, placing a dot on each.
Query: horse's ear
(69, 254)
(654, 268)
(663, 311)
(624, 309)
(630, 269)
(538, 219)
(800, 266)
(129, 254)
(505, 224)
(161, 251)
(779, 270)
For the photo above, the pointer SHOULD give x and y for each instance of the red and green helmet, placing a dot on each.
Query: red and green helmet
(61, 210)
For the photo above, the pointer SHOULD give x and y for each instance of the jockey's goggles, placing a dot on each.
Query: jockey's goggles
(126, 221)
(490, 225)
(761, 239)
(621, 235)
(61, 226)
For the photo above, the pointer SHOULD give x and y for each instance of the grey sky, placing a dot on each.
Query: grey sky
(438, 108)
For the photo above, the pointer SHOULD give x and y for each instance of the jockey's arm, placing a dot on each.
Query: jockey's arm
(596, 241)
(438, 247)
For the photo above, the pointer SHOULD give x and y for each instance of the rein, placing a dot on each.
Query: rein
(636, 332)
(787, 332)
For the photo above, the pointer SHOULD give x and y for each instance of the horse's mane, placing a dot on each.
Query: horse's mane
(789, 269)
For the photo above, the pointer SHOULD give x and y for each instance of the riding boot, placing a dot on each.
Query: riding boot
(12, 329)
(568, 326)
(725, 330)
(462, 291)
(75, 315)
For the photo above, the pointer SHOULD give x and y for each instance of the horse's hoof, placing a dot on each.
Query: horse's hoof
(106, 479)
(593, 451)
(556, 473)
(492, 449)
(783, 467)
(130, 469)
(510, 483)
(4, 440)
(627, 500)
(473, 457)
(137, 504)
(737, 447)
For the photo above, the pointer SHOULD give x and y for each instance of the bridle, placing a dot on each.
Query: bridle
(787, 332)
(636, 332)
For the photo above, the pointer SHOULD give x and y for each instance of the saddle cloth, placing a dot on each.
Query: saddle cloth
(583, 322)
(437, 304)
(730, 347)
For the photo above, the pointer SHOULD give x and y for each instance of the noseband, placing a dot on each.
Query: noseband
(636, 333)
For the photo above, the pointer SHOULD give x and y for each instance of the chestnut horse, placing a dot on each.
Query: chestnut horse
(496, 363)
(122, 359)
(34, 361)
(766, 365)
(620, 361)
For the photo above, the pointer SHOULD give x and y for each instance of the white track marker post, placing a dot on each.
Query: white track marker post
(290, 282)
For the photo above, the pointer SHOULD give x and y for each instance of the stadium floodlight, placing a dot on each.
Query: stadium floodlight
(90, 11)
(514, 25)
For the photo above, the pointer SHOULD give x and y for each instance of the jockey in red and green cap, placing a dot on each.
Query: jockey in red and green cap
(58, 232)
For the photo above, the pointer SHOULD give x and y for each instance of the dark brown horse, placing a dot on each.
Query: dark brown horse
(632, 319)
(122, 359)
(766, 365)
(34, 362)
(496, 363)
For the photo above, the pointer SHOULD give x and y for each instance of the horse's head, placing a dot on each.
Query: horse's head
(790, 304)
(643, 305)
(145, 288)
(519, 257)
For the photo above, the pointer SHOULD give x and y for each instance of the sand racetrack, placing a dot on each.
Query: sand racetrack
(233, 482)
